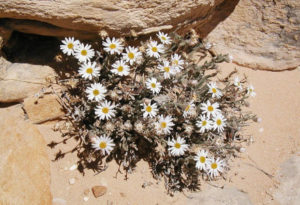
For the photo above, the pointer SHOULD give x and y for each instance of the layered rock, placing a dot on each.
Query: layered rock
(261, 34)
(24, 164)
(85, 19)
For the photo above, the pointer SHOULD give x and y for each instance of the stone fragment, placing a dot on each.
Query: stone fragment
(99, 191)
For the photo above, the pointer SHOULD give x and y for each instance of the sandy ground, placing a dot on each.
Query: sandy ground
(275, 139)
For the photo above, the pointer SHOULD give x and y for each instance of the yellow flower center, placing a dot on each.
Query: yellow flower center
(202, 159)
(163, 38)
(102, 145)
(96, 92)
(219, 122)
(83, 52)
(154, 49)
(250, 90)
(177, 145)
(112, 46)
(167, 69)
(70, 46)
(89, 70)
(163, 125)
(131, 55)
(149, 108)
(187, 108)
(105, 110)
(120, 68)
(214, 90)
(175, 62)
(214, 166)
(210, 108)
(153, 85)
(204, 122)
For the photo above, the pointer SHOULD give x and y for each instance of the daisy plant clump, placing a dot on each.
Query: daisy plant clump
(159, 100)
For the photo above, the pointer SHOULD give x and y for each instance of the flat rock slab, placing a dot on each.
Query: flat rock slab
(21, 80)
(217, 196)
(87, 18)
(43, 109)
(288, 193)
(261, 34)
(24, 163)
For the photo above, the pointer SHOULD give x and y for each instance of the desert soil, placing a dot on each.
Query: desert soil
(275, 138)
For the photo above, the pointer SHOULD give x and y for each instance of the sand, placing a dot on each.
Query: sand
(275, 139)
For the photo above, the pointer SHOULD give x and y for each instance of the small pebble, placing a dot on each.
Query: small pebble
(86, 198)
(99, 191)
(73, 167)
(86, 192)
(261, 129)
(259, 120)
(72, 181)
(242, 149)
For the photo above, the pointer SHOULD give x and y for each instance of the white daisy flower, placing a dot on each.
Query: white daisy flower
(167, 69)
(89, 70)
(103, 143)
(164, 124)
(210, 109)
(120, 68)
(204, 124)
(250, 91)
(153, 85)
(131, 55)
(113, 46)
(213, 89)
(84, 52)
(155, 49)
(96, 92)
(178, 146)
(188, 109)
(237, 83)
(164, 38)
(219, 123)
(215, 167)
(150, 110)
(201, 160)
(177, 63)
(105, 110)
(69, 45)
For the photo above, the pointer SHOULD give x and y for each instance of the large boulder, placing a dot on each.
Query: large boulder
(24, 163)
(261, 34)
(85, 19)
(21, 80)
